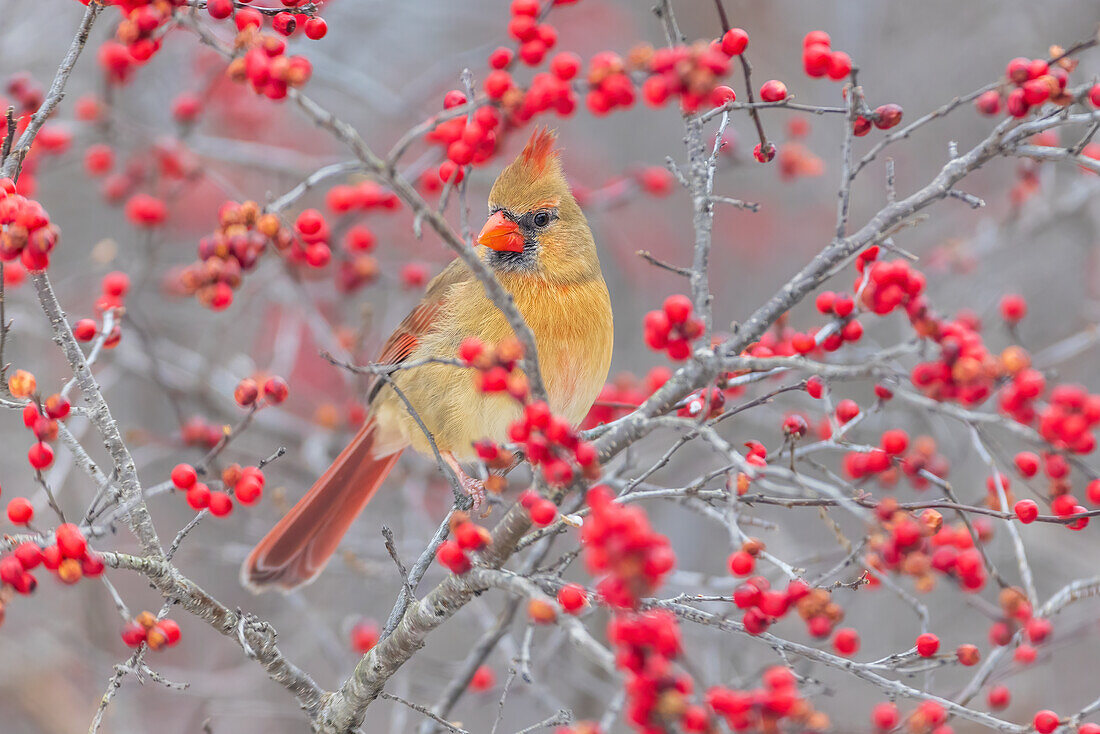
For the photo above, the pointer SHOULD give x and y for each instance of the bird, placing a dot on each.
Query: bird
(538, 244)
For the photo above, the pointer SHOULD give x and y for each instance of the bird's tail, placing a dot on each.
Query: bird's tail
(296, 550)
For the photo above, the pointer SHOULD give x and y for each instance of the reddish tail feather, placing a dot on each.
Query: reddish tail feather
(296, 550)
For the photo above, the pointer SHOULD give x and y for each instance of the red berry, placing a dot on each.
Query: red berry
(927, 645)
(543, 512)
(116, 284)
(763, 153)
(885, 716)
(565, 65)
(20, 511)
(816, 60)
(1045, 721)
(895, 441)
(184, 476)
(887, 116)
(133, 634)
(734, 42)
(678, 309)
(219, 9)
(220, 504)
(500, 58)
(98, 159)
(40, 455)
(998, 697)
(815, 387)
(146, 211)
(1026, 511)
(773, 90)
(198, 497)
(572, 598)
(721, 95)
(483, 679)
(1013, 308)
(988, 103)
(968, 654)
(846, 410)
(816, 37)
(1027, 463)
(171, 631)
(28, 554)
(70, 541)
(741, 563)
(1038, 629)
(364, 636)
(846, 641)
(84, 330)
(186, 107)
(452, 557)
(248, 490)
(840, 65)
(316, 28)
(276, 390)
(497, 83)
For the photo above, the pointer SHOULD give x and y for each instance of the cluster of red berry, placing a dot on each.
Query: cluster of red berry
(772, 707)
(795, 159)
(68, 557)
(764, 606)
(467, 141)
(357, 267)
(145, 628)
(890, 285)
(197, 431)
(234, 248)
(918, 545)
(535, 38)
(646, 645)
(622, 548)
(1069, 417)
(548, 91)
(928, 718)
(1029, 83)
(819, 59)
(551, 444)
(265, 65)
(39, 416)
(673, 328)
(26, 232)
(689, 73)
(25, 95)
(497, 367)
(965, 371)
(244, 483)
(467, 537)
(273, 390)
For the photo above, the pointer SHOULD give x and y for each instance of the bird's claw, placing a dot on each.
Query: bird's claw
(475, 490)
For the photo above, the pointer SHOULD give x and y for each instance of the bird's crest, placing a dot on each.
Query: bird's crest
(533, 178)
(540, 151)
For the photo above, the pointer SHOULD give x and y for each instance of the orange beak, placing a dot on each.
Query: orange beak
(501, 233)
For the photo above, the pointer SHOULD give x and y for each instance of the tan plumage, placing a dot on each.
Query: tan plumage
(553, 273)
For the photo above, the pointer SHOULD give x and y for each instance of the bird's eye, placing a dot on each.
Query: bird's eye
(542, 219)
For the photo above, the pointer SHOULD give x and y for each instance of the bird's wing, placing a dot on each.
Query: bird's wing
(421, 320)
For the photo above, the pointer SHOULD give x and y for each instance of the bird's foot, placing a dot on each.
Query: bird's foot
(473, 487)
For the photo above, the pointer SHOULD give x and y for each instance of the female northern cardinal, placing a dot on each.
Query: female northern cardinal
(539, 246)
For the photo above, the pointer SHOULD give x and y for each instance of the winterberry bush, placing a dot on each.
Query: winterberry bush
(840, 479)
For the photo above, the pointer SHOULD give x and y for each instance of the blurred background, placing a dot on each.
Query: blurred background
(384, 67)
